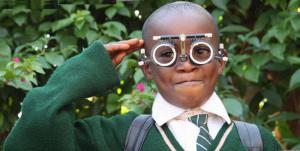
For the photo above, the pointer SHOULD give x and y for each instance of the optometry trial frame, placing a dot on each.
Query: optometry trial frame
(169, 57)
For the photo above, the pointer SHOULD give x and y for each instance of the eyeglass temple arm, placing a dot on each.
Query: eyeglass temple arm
(222, 53)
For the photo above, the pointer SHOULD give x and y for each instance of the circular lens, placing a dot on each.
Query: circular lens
(201, 52)
(164, 54)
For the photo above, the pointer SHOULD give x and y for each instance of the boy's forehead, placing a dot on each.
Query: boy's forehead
(175, 23)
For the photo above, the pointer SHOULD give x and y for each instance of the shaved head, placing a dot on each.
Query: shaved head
(176, 10)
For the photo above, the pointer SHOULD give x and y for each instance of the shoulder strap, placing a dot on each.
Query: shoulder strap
(137, 132)
(249, 135)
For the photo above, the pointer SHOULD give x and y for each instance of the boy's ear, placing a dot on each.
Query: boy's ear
(147, 72)
(223, 62)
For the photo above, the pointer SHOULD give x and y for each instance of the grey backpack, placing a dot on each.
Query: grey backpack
(249, 134)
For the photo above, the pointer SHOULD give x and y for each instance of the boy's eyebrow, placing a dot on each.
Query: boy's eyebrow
(182, 36)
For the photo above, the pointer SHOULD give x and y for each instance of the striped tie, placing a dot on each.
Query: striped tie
(204, 140)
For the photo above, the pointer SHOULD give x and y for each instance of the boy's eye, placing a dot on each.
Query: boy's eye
(166, 53)
(201, 53)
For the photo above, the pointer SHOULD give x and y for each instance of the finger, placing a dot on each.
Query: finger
(114, 47)
(118, 58)
(139, 45)
(131, 42)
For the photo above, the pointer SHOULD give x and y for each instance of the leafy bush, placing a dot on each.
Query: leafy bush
(260, 83)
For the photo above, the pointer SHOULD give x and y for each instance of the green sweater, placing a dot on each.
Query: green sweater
(48, 123)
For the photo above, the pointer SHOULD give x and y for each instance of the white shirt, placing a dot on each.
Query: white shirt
(184, 131)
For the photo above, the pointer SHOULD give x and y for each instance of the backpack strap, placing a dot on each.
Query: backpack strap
(249, 135)
(137, 132)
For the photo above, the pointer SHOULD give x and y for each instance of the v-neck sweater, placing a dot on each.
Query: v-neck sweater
(48, 122)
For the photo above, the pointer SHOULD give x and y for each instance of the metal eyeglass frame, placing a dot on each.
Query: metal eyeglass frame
(143, 59)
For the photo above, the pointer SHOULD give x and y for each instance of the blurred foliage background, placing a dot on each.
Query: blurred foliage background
(260, 84)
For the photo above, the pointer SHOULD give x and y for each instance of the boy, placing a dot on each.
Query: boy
(185, 83)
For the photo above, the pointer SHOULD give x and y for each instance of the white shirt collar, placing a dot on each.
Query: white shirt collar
(163, 111)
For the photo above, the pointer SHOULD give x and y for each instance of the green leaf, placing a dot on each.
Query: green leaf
(295, 81)
(5, 53)
(1, 119)
(79, 23)
(36, 66)
(244, 4)
(136, 34)
(293, 5)
(124, 11)
(296, 147)
(277, 50)
(57, 25)
(252, 73)
(126, 65)
(254, 41)
(295, 23)
(111, 12)
(260, 59)
(234, 28)
(114, 29)
(138, 75)
(285, 116)
(45, 26)
(218, 14)
(22, 83)
(112, 102)
(273, 98)
(238, 69)
(43, 62)
(92, 36)
(281, 34)
(3, 32)
(262, 21)
(54, 58)
(82, 33)
(65, 40)
(68, 7)
(293, 59)
(233, 106)
(220, 4)
(20, 19)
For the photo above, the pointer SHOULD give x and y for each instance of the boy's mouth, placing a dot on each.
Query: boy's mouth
(189, 83)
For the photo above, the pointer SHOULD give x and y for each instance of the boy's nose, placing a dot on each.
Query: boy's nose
(185, 66)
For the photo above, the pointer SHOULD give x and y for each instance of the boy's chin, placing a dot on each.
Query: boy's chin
(190, 100)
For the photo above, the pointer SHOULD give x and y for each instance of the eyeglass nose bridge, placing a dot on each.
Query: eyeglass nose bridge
(183, 57)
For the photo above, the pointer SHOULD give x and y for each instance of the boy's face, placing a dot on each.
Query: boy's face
(185, 85)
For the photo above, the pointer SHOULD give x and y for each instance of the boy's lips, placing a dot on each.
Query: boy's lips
(189, 83)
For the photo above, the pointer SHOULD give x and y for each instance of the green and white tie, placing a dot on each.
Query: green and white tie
(204, 140)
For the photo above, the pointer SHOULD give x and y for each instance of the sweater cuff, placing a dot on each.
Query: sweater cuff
(101, 68)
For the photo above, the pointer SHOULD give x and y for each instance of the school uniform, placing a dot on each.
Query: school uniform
(48, 124)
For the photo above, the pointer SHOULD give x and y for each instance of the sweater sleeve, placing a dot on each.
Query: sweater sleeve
(47, 121)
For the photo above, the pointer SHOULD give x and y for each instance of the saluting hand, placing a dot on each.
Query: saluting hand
(118, 50)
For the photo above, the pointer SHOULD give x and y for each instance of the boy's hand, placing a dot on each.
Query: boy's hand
(119, 50)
